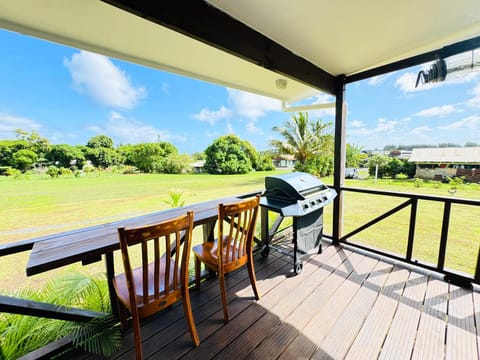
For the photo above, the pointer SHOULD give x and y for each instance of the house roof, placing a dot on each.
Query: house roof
(456, 155)
(251, 44)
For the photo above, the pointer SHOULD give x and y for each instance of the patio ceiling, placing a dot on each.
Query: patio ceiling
(249, 44)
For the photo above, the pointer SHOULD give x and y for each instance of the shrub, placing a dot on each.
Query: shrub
(21, 334)
(436, 184)
(175, 199)
(53, 171)
(456, 182)
(418, 183)
(401, 176)
(64, 171)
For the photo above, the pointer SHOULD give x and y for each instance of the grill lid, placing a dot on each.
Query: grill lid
(296, 194)
(293, 186)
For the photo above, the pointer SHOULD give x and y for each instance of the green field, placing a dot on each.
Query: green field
(38, 205)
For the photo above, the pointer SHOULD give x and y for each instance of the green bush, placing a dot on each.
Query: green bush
(53, 171)
(418, 183)
(9, 171)
(64, 171)
(436, 184)
(401, 176)
(21, 334)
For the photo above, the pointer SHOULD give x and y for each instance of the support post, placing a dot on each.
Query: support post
(110, 268)
(339, 160)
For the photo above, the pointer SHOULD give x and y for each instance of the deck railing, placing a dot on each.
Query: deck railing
(460, 278)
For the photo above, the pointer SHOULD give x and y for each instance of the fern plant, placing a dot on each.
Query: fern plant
(21, 334)
(175, 199)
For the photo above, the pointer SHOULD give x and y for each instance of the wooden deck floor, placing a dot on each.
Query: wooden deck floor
(344, 305)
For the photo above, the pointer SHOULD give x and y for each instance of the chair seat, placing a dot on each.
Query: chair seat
(208, 254)
(120, 282)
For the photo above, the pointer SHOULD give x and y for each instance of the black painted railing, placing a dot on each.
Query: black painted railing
(412, 200)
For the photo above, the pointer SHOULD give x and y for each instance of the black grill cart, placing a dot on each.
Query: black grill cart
(301, 196)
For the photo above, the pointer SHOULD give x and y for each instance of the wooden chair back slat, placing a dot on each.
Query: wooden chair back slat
(237, 230)
(233, 247)
(163, 277)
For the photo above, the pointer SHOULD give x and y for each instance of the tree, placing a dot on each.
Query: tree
(63, 155)
(354, 156)
(36, 143)
(228, 155)
(176, 164)
(24, 159)
(103, 157)
(199, 156)
(149, 157)
(100, 141)
(101, 153)
(8, 148)
(306, 140)
(380, 161)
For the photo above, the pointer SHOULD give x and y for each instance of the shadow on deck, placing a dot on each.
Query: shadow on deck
(344, 304)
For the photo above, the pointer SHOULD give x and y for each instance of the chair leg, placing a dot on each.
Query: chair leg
(251, 275)
(187, 309)
(197, 272)
(137, 335)
(223, 293)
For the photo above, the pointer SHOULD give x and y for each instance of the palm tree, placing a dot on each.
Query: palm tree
(303, 138)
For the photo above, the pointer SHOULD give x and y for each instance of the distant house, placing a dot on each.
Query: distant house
(197, 166)
(283, 161)
(437, 163)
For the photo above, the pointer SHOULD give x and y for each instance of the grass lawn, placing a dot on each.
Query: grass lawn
(37, 206)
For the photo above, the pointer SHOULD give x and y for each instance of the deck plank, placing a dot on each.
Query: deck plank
(280, 301)
(461, 333)
(344, 305)
(368, 343)
(344, 331)
(319, 326)
(401, 336)
(430, 342)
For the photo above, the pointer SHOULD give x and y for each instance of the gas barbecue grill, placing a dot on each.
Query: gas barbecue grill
(301, 196)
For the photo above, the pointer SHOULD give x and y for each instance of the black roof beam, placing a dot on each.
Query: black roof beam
(203, 22)
(444, 52)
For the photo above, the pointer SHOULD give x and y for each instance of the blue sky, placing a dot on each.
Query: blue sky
(69, 95)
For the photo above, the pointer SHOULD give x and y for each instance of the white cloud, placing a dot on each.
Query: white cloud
(436, 111)
(471, 122)
(383, 127)
(323, 99)
(406, 83)
(9, 123)
(378, 80)
(250, 105)
(96, 76)
(475, 100)
(356, 123)
(165, 88)
(253, 129)
(212, 116)
(230, 129)
(130, 131)
(420, 131)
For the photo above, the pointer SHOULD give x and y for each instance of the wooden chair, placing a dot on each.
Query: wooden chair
(156, 284)
(236, 227)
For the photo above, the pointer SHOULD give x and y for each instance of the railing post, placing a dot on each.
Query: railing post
(110, 268)
(477, 269)
(411, 230)
(444, 237)
(339, 157)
